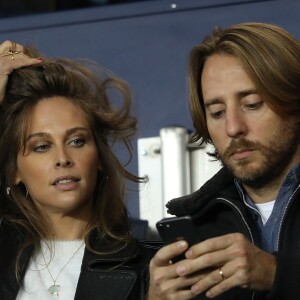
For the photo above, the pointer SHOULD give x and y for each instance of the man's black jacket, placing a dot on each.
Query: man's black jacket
(218, 209)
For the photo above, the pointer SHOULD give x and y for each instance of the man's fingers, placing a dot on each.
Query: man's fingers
(215, 244)
(166, 253)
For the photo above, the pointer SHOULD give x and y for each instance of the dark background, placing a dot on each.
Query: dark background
(12, 8)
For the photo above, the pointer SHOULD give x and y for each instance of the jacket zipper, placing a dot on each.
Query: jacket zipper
(284, 215)
(245, 223)
(241, 215)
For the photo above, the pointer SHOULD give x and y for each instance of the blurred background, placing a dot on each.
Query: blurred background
(10, 8)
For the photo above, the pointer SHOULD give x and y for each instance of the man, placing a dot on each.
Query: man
(245, 100)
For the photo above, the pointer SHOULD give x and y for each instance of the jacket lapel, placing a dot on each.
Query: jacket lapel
(107, 276)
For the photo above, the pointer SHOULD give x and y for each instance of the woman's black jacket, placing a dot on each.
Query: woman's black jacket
(119, 276)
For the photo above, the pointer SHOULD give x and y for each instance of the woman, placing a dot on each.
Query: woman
(64, 226)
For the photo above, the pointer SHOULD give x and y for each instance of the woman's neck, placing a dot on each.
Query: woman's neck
(68, 228)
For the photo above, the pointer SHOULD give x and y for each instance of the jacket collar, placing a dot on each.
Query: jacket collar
(190, 204)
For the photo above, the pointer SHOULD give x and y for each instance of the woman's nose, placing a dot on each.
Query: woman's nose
(64, 160)
(63, 163)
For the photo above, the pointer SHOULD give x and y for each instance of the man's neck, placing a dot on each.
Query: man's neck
(263, 194)
(268, 192)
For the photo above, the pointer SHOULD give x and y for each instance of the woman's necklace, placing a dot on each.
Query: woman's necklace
(54, 288)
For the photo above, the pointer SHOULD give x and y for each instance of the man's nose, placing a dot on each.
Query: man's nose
(235, 123)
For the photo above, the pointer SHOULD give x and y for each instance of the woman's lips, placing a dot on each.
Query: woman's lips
(66, 183)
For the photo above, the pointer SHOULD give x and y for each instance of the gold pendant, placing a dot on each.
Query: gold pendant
(54, 289)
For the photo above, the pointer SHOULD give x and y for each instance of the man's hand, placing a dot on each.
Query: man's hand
(234, 262)
(165, 284)
(212, 267)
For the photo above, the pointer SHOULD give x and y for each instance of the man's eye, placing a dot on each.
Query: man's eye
(217, 114)
(253, 106)
(77, 142)
(42, 148)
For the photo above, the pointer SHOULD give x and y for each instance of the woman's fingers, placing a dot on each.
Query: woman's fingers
(12, 57)
(9, 48)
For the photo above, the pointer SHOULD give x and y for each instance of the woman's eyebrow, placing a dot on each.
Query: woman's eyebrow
(74, 129)
(44, 134)
(37, 134)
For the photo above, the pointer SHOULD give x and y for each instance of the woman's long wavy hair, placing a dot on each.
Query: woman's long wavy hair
(269, 55)
(92, 89)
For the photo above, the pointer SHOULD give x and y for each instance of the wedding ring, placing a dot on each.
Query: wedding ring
(221, 273)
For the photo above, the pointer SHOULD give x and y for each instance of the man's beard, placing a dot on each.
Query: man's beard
(275, 157)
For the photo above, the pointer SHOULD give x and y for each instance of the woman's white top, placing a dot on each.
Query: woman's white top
(64, 259)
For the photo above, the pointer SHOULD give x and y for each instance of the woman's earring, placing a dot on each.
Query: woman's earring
(7, 190)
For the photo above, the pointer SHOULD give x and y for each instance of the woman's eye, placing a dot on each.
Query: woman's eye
(42, 148)
(77, 142)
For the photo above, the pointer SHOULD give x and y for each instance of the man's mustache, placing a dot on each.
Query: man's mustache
(239, 144)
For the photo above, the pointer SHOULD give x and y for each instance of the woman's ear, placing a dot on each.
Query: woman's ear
(17, 179)
(100, 167)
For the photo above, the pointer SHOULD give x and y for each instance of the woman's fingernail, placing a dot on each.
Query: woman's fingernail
(40, 58)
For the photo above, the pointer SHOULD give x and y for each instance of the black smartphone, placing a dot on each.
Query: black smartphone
(176, 229)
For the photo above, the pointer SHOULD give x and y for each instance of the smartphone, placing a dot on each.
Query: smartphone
(176, 229)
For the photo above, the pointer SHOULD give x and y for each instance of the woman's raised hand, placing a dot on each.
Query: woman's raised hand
(12, 57)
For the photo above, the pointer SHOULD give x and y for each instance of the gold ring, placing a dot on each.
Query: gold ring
(10, 53)
(221, 273)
